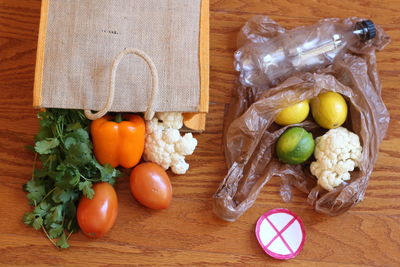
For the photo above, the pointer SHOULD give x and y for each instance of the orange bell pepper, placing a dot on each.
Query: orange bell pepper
(118, 143)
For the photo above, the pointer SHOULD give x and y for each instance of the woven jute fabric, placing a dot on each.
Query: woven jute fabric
(83, 37)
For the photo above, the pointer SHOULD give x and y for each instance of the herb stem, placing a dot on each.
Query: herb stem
(48, 237)
(88, 179)
(69, 235)
(51, 191)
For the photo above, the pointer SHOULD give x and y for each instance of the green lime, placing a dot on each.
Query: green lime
(295, 146)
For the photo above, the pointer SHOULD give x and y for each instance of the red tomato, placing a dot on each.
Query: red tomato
(150, 185)
(97, 216)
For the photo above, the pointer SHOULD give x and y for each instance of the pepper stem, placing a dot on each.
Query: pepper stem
(118, 118)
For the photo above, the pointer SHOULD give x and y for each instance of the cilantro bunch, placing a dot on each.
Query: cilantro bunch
(68, 171)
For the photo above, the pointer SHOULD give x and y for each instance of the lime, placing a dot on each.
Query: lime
(295, 146)
(329, 110)
(293, 114)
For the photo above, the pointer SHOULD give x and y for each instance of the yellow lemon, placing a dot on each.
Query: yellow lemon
(329, 110)
(293, 114)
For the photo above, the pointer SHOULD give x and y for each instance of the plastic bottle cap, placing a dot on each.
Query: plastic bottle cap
(368, 29)
(281, 233)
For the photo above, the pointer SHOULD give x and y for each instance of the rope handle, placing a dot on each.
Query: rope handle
(149, 114)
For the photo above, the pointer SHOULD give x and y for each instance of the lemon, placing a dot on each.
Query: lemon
(295, 146)
(329, 110)
(293, 114)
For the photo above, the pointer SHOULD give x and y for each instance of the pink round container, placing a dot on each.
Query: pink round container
(281, 233)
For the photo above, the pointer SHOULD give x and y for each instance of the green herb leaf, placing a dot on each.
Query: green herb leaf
(63, 242)
(69, 141)
(78, 154)
(62, 195)
(36, 190)
(37, 223)
(48, 161)
(56, 215)
(81, 135)
(108, 174)
(39, 173)
(73, 126)
(86, 188)
(42, 209)
(45, 132)
(56, 230)
(29, 217)
(70, 210)
(46, 146)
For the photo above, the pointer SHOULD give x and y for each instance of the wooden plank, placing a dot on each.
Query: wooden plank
(363, 239)
(17, 18)
(132, 255)
(380, 11)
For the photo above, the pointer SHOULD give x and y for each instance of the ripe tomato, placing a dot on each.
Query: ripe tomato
(150, 185)
(96, 216)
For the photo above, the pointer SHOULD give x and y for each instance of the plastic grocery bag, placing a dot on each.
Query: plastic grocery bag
(250, 134)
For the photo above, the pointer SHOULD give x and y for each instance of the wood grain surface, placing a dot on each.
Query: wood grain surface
(188, 233)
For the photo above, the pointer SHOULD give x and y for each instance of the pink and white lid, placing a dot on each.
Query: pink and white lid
(281, 233)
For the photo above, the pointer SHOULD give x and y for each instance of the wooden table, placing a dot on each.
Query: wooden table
(188, 233)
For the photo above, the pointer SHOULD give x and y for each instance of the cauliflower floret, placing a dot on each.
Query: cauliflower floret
(178, 164)
(164, 143)
(155, 149)
(186, 145)
(171, 119)
(337, 152)
(171, 135)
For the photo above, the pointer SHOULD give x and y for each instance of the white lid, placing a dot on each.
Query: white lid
(281, 233)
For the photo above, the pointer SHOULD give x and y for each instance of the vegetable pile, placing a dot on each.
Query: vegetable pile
(72, 187)
(337, 152)
(68, 170)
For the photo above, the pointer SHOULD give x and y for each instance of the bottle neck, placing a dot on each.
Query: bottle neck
(353, 36)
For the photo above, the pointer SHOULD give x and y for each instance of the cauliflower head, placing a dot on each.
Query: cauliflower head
(337, 153)
(164, 144)
(171, 119)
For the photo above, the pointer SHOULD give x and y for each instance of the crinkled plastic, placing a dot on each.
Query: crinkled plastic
(266, 62)
(250, 134)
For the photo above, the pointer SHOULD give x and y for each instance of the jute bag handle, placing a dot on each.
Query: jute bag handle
(149, 114)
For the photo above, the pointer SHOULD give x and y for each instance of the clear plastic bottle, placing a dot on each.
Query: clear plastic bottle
(301, 49)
